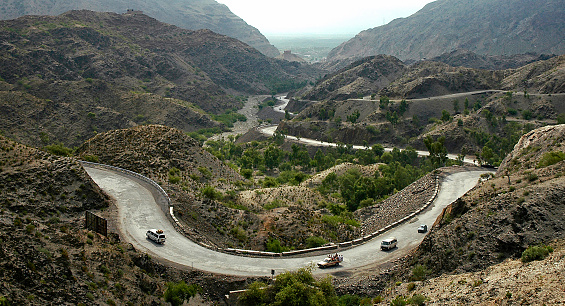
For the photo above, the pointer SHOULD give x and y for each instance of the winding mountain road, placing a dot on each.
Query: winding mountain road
(139, 211)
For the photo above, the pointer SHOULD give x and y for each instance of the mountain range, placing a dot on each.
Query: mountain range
(187, 14)
(70, 76)
(493, 27)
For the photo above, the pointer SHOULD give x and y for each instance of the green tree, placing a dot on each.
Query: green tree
(384, 102)
(456, 106)
(419, 272)
(177, 293)
(378, 150)
(445, 116)
(273, 156)
(349, 300)
(392, 117)
(291, 288)
(437, 150)
(254, 295)
(210, 192)
(274, 245)
(315, 241)
(403, 107)
(354, 117)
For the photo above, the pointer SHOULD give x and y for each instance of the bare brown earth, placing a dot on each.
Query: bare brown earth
(508, 283)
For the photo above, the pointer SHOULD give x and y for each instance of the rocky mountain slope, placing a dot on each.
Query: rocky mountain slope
(471, 254)
(102, 71)
(386, 75)
(510, 282)
(361, 78)
(465, 105)
(466, 58)
(493, 27)
(224, 218)
(181, 166)
(520, 207)
(191, 15)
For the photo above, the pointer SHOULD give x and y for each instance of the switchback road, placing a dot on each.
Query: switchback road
(138, 211)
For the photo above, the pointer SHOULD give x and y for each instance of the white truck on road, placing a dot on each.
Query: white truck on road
(156, 235)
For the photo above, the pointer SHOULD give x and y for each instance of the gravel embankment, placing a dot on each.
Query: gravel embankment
(397, 206)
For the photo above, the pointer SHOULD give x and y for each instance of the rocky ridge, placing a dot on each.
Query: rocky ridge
(360, 78)
(484, 27)
(466, 58)
(191, 15)
(103, 71)
(471, 254)
(509, 282)
(520, 207)
(387, 76)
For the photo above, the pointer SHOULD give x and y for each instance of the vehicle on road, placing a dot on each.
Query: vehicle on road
(423, 228)
(156, 235)
(388, 244)
(331, 260)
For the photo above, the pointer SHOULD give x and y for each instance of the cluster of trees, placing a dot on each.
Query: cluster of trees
(399, 170)
(299, 288)
(495, 146)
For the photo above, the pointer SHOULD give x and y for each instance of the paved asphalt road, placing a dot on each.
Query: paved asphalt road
(270, 130)
(138, 212)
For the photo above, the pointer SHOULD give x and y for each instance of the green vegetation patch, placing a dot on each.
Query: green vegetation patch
(536, 253)
(58, 149)
(291, 288)
(551, 158)
(177, 293)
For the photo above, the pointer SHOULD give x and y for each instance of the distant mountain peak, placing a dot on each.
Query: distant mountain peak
(493, 27)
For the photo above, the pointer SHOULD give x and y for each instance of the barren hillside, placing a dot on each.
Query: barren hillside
(191, 15)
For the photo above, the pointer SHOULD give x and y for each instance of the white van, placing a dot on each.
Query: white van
(388, 244)
(156, 235)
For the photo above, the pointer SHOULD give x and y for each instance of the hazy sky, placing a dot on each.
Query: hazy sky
(319, 17)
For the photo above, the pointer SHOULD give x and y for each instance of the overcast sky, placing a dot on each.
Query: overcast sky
(319, 17)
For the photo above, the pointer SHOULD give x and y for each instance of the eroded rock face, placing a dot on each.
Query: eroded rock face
(521, 206)
(531, 148)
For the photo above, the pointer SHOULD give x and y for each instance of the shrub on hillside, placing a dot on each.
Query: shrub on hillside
(58, 149)
(536, 253)
(551, 158)
(315, 241)
(177, 293)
